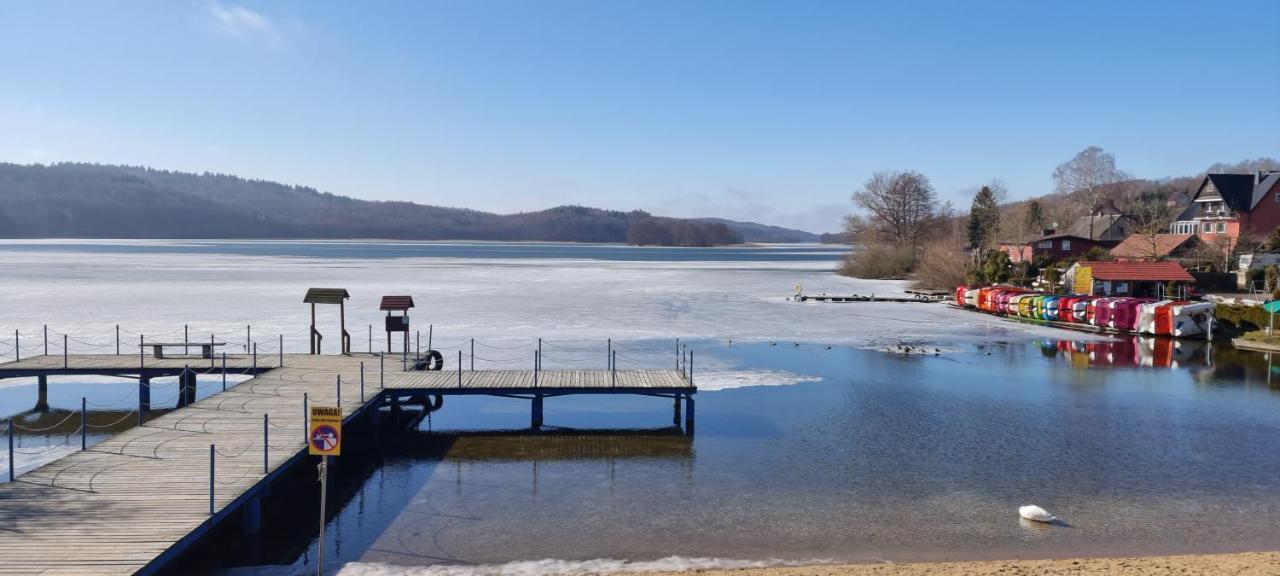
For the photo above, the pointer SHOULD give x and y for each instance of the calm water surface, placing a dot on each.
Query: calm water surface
(889, 457)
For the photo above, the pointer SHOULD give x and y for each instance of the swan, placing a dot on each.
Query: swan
(1036, 514)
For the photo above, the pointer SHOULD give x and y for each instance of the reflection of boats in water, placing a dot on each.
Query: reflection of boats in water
(1146, 351)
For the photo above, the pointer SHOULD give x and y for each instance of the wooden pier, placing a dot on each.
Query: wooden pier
(137, 500)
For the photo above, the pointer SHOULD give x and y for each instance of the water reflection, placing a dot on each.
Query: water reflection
(1131, 351)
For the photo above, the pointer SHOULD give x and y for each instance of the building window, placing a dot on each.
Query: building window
(1222, 227)
(1046, 244)
(1277, 197)
(1066, 245)
(1207, 228)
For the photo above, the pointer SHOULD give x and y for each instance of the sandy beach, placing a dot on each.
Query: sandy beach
(1249, 563)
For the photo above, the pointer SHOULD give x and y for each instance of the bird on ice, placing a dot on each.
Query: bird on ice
(1036, 514)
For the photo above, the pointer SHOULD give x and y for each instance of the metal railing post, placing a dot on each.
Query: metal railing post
(417, 346)
(339, 385)
(537, 362)
(677, 353)
(430, 330)
(46, 339)
(459, 368)
(64, 351)
(84, 425)
(362, 383)
(17, 347)
(691, 367)
(255, 358)
(280, 349)
(11, 472)
(382, 370)
(608, 356)
(473, 354)
(306, 415)
(224, 371)
(117, 339)
(613, 367)
(212, 359)
(248, 336)
(142, 353)
(266, 440)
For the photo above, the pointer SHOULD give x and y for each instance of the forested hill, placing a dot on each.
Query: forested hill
(97, 201)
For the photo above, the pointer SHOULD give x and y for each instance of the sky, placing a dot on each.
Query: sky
(767, 111)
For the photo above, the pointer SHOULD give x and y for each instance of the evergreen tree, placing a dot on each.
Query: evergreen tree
(984, 219)
(1035, 218)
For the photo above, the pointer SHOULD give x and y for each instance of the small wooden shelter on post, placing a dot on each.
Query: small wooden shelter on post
(328, 296)
(400, 323)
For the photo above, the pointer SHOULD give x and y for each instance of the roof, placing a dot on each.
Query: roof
(1236, 190)
(1102, 223)
(1267, 182)
(325, 296)
(1141, 245)
(396, 303)
(1139, 271)
(1034, 239)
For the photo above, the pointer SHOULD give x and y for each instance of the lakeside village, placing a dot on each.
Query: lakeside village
(1149, 282)
(1200, 263)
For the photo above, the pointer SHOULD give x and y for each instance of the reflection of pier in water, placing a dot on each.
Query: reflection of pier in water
(565, 444)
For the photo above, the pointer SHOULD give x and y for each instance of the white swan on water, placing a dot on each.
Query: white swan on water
(1036, 514)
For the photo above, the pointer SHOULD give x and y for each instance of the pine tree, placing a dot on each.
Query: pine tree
(984, 219)
(1035, 218)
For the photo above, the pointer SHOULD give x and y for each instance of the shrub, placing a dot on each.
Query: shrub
(1240, 318)
(878, 260)
(942, 266)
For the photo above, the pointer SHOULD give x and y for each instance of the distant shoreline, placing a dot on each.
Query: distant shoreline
(395, 240)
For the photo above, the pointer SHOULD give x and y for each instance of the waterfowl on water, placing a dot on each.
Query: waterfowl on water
(1036, 514)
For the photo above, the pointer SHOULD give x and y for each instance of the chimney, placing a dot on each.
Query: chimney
(1047, 232)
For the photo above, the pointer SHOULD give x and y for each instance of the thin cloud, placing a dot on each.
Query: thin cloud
(241, 22)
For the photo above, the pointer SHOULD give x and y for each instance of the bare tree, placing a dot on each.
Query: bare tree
(1152, 224)
(900, 207)
(1089, 178)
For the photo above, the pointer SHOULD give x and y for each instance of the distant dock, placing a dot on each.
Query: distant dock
(924, 296)
(137, 500)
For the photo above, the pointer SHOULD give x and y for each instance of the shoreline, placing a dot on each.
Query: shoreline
(1240, 563)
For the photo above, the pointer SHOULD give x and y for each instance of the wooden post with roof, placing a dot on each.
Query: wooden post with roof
(328, 296)
(400, 323)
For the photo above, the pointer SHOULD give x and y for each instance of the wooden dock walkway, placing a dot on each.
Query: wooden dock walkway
(137, 500)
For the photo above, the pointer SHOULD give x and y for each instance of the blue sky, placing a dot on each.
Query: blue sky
(773, 112)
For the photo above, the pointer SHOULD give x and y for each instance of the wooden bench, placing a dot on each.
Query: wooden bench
(206, 348)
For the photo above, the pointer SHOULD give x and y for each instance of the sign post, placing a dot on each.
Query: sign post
(325, 436)
(1271, 306)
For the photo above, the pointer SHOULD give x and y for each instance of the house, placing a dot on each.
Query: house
(1146, 279)
(1106, 224)
(1050, 245)
(1227, 207)
(1140, 247)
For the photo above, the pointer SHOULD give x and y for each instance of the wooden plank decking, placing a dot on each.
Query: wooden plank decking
(138, 496)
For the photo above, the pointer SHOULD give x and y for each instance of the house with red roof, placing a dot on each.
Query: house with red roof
(1143, 279)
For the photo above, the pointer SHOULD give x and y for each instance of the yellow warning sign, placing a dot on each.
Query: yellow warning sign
(1084, 280)
(326, 431)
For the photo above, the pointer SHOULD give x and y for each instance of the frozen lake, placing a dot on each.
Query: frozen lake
(815, 439)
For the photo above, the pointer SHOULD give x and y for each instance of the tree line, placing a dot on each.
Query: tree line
(73, 200)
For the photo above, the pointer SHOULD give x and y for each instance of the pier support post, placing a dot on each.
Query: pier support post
(252, 513)
(42, 393)
(186, 388)
(675, 418)
(536, 420)
(144, 398)
(688, 415)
